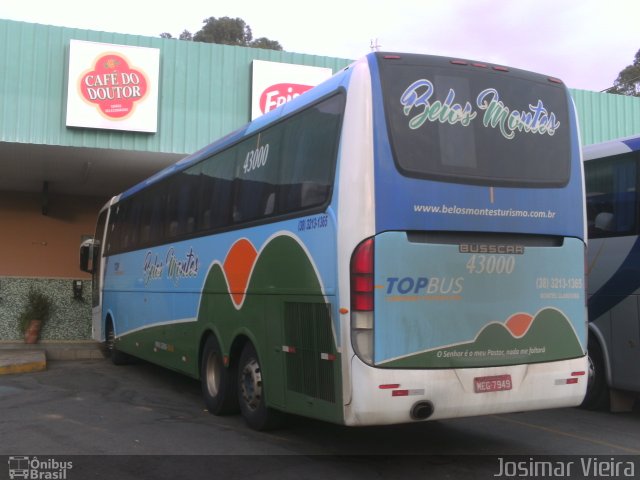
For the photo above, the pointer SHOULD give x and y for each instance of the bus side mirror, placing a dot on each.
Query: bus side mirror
(86, 256)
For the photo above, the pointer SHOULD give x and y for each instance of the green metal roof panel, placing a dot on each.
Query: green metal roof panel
(604, 116)
(205, 89)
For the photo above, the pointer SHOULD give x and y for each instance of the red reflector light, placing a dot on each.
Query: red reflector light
(554, 80)
(362, 277)
(362, 302)
(479, 65)
(361, 284)
(459, 62)
(389, 386)
(400, 393)
(571, 381)
(577, 374)
(391, 57)
(501, 69)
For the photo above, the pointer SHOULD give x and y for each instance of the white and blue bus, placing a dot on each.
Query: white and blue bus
(612, 175)
(404, 242)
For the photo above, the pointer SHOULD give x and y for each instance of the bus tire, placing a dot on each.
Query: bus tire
(218, 382)
(597, 396)
(117, 357)
(251, 397)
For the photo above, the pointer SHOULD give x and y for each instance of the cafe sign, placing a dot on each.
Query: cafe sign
(113, 86)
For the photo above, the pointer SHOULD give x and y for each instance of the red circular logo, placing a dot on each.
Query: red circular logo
(113, 86)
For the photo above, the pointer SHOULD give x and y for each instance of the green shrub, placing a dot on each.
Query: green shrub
(38, 307)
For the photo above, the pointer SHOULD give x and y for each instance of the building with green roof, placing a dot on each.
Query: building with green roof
(67, 146)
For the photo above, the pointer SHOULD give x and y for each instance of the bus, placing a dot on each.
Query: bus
(404, 242)
(612, 171)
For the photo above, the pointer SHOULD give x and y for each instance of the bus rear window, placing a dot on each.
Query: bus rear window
(467, 124)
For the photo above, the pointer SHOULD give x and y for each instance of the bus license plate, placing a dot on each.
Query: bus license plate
(495, 383)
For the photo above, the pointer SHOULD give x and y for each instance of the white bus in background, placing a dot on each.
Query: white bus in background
(612, 172)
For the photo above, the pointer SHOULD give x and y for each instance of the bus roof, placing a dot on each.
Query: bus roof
(332, 84)
(339, 80)
(612, 147)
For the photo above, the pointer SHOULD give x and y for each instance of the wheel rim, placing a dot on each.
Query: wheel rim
(591, 373)
(111, 338)
(251, 384)
(213, 374)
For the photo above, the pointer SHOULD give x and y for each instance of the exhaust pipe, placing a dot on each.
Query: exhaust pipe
(421, 410)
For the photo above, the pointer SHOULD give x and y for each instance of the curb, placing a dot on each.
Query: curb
(25, 361)
(17, 357)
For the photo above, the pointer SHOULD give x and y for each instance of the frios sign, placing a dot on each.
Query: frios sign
(113, 87)
(276, 83)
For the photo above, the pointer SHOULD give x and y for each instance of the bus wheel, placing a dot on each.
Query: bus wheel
(251, 393)
(117, 357)
(597, 397)
(218, 382)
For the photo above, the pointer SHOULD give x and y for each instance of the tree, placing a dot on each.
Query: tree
(265, 43)
(224, 30)
(628, 81)
(227, 31)
(186, 35)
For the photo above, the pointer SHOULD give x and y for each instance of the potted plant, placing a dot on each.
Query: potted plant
(36, 311)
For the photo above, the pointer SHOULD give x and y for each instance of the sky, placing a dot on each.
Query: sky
(586, 43)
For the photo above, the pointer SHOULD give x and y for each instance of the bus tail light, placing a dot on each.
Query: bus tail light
(362, 277)
(362, 300)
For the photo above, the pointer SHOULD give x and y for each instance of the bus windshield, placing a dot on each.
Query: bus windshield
(464, 122)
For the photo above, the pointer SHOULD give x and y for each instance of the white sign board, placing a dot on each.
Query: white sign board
(276, 83)
(113, 86)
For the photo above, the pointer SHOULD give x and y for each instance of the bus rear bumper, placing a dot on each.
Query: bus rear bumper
(389, 396)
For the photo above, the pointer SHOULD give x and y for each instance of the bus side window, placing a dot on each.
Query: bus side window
(145, 218)
(112, 231)
(151, 221)
(123, 229)
(309, 153)
(258, 170)
(133, 213)
(133, 221)
(182, 203)
(612, 197)
(217, 173)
